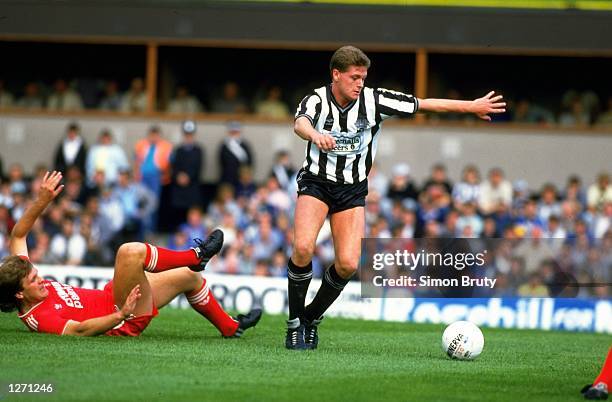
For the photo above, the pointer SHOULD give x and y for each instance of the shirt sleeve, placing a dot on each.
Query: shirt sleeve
(392, 103)
(310, 107)
(47, 323)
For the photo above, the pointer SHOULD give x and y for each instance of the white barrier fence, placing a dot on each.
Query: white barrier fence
(243, 292)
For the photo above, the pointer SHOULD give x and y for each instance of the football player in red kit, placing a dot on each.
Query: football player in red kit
(601, 386)
(145, 279)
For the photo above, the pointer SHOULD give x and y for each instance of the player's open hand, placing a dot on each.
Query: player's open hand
(50, 186)
(324, 142)
(130, 302)
(490, 103)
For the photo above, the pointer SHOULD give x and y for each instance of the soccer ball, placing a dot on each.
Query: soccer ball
(462, 340)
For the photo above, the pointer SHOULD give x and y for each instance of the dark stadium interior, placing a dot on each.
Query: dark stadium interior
(546, 81)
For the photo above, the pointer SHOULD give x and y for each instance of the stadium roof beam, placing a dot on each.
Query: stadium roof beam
(420, 79)
(151, 74)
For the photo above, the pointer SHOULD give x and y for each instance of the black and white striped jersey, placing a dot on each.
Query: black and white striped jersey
(356, 129)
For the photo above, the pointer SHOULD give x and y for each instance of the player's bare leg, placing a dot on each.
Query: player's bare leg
(169, 284)
(135, 258)
(310, 214)
(348, 227)
(129, 272)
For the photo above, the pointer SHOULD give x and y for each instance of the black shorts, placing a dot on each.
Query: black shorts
(338, 197)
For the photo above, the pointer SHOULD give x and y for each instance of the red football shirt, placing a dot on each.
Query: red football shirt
(65, 303)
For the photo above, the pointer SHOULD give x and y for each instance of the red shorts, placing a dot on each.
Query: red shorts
(133, 326)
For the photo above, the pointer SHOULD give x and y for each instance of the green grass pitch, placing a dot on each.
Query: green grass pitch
(180, 357)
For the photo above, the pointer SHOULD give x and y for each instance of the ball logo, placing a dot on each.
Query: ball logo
(462, 340)
(455, 344)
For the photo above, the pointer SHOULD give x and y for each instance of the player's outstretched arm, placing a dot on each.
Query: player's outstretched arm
(304, 129)
(49, 189)
(99, 325)
(481, 107)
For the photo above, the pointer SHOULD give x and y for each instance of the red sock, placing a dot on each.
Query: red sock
(606, 371)
(160, 259)
(204, 302)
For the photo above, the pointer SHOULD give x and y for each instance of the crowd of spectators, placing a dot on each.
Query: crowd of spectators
(112, 196)
(71, 96)
(541, 233)
(577, 109)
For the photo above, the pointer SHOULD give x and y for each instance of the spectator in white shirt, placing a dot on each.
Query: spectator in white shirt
(106, 156)
(496, 190)
(63, 98)
(184, 102)
(602, 222)
(135, 100)
(599, 193)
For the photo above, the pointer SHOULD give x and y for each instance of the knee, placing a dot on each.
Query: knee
(193, 277)
(302, 252)
(191, 280)
(346, 266)
(132, 251)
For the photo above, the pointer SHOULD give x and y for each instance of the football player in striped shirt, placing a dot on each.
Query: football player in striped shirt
(145, 279)
(341, 124)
